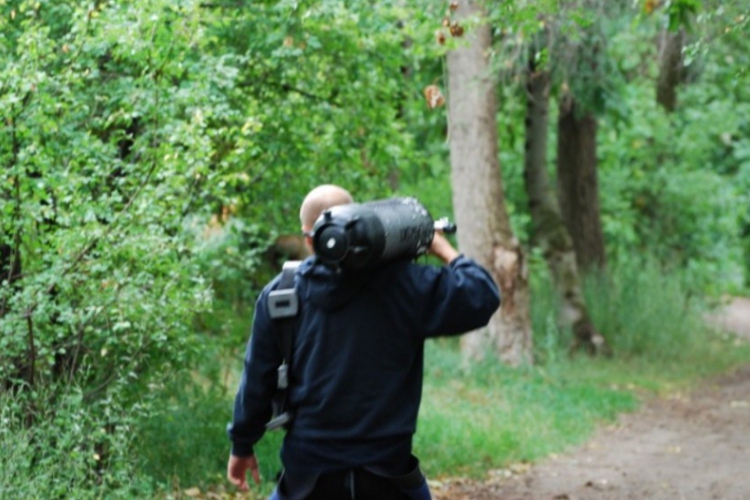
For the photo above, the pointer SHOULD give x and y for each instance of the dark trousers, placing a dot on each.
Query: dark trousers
(358, 484)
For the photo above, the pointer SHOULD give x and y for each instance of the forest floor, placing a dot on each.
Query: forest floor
(693, 446)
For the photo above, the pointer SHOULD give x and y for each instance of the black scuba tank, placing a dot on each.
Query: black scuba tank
(363, 235)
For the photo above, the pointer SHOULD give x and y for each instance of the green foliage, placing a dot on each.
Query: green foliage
(315, 99)
(679, 13)
(673, 185)
(670, 186)
(183, 442)
(100, 148)
(76, 450)
(645, 311)
(236, 258)
(93, 196)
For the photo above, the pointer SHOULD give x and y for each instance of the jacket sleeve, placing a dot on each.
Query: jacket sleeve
(252, 404)
(458, 297)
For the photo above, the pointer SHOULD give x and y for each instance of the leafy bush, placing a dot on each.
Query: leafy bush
(663, 192)
(98, 284)
(76, 450)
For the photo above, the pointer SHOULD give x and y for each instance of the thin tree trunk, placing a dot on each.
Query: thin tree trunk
(577, 184)
(10, 271)
(549, 232)
(11, 266)
(484, 231)
(671, 68)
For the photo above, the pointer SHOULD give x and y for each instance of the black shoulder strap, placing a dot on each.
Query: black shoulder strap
(283, 306)
(287, 273)
(287, 324)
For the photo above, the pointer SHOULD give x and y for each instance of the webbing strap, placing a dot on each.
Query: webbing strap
(281, 311)
(287, 324)
(287, 274)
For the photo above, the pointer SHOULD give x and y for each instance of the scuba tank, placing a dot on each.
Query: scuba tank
(363, 235)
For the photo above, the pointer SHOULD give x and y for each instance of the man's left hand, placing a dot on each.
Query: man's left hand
(237, 471)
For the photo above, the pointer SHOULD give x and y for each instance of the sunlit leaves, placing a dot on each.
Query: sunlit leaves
(102, 147)
(316, 100)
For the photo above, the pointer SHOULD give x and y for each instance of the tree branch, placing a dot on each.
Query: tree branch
(221, 5)
(290, 88)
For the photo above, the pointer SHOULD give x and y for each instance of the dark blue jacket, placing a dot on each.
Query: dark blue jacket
(356, 378)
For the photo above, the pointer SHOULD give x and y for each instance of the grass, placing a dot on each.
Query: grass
(490, 416)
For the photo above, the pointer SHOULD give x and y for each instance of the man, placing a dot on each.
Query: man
(356, 370)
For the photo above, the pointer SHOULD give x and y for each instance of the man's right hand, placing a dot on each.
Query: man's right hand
(237, 471)
(442, 248)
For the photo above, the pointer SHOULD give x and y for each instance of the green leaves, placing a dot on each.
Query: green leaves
(317, 97)
(680, 12)
(93, 193)
(126, 127)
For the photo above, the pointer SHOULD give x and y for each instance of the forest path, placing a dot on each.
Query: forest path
(692, 446)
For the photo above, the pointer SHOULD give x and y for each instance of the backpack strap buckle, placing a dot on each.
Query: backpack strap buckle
(283, 303)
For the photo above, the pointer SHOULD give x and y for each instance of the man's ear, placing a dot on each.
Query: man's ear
(308, 238)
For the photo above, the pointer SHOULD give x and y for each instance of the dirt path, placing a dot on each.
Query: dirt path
(691, 447)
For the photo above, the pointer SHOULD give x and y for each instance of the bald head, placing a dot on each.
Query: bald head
(320, 199)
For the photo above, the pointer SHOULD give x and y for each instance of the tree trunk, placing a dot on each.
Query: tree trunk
(671, 68)
(22, 368)
(577, 183)
(10, 270)
(484, 231)
(549, 232)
